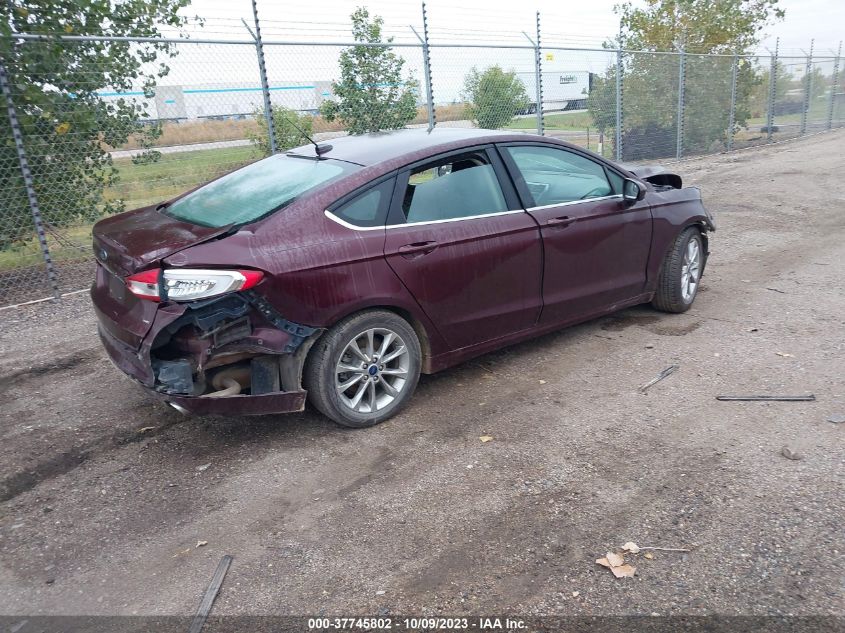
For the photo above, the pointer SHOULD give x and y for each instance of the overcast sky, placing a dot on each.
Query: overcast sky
(571, 23)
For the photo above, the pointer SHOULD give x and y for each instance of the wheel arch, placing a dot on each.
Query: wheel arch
(424, 331)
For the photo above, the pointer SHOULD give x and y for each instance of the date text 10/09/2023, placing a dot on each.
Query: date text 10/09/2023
(416, 623)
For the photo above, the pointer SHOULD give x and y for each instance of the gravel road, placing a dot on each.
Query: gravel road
(107, 492)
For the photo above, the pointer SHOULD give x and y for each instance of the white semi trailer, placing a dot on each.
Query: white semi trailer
(562, 90)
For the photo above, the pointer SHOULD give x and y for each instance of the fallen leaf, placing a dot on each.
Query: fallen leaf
(486, 438)
(542, 382)
(648, 555)
(575, 594)
(144, 429)
(615, 560)
(784, 354)
(202, 543)
(624, 571)
(603, 562)
(631, 547)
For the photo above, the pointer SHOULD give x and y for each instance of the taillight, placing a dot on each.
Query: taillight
(144, 284)
(190, 284)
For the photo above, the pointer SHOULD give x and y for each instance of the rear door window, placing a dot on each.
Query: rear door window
(254, 191)
(457, 187)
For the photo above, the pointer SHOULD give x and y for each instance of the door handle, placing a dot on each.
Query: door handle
(561, 221)
(417, 249)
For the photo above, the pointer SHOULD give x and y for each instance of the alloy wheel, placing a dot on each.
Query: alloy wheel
(691, 270)
(372, 370)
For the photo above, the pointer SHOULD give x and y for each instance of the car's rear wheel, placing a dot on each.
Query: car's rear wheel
(364, 369)
(680, 275)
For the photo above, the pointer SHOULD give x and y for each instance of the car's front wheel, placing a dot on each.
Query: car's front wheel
(364, 369)
(680, 274)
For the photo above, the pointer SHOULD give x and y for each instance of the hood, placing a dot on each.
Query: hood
(129, 242)
(655, 174)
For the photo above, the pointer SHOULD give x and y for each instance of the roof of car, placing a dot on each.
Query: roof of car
(369, 149)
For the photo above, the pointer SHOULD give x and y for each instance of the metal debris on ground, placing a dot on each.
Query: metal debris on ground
(808, 398)
(210, 595)
(671, 369)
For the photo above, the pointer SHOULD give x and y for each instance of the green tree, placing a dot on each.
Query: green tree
(291, 129)
(494, 96)
(371, 95)
(650, 79)
(66, 123)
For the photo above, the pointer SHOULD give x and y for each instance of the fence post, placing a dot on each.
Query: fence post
(27, 180)
(619, 67)
(265, 87)
(682, 67)
(429, 89)
(538, 69)
(808, 89)
(833, 85)
(773, 80)
(732, 119)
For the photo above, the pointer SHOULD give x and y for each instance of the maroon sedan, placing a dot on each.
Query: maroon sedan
(348, 269)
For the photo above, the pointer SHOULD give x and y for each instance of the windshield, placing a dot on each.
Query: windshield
(254, 191)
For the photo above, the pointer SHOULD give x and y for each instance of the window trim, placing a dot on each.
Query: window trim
(522, 188)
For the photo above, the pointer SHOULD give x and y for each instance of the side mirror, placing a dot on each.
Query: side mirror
(632, 191)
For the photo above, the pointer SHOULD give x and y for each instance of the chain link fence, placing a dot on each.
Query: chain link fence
(211, 105)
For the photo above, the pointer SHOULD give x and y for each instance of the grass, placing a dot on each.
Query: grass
(213, 131)
(142, 185)
(560, 121)
(139, 186)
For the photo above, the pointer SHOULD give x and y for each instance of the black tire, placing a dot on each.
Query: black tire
(320, 372)
(670, 295)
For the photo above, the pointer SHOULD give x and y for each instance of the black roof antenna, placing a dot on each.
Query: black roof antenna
(319, 149)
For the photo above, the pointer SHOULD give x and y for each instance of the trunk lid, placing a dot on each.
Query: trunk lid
(129, 243)
(134, 241)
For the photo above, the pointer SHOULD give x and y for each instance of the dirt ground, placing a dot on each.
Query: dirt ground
(107, 492)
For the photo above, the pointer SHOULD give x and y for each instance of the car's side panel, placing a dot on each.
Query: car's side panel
(595, 250)
(597, 260)
(482, 279)
(672, 211)
(479, 278)
(340, 272)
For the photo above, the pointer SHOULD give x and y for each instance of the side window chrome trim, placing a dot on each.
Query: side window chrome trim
(571, 202)
(331, 216)
(344, 223)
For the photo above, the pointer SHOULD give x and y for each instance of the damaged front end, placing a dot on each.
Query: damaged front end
(233, 355)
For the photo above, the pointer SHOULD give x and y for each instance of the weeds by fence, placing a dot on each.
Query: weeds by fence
(197, 121)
